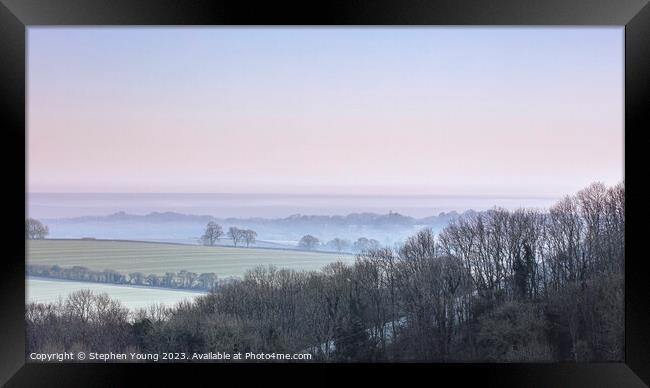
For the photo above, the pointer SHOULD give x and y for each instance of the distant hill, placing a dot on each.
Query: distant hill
(391, 218)
(123, 216)
(387, 228)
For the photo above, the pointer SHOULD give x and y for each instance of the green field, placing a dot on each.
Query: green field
(158, 258)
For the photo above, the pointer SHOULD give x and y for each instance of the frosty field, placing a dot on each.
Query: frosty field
(50, 290)
(159, 258)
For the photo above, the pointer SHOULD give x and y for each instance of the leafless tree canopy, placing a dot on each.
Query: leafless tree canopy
(308, 242)
(213, 232)
(236, 235)
(338, 244)
(249, 236)
(35, 230)
(364, 244)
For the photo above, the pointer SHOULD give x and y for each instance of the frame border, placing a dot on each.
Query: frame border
(17, 15)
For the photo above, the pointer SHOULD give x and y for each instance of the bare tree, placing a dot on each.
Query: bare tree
(308, 242)
(79, 305)
(338, 244)
(365, 244)
(213, 232)
(236, 235)
(35, 230)
(249, 236)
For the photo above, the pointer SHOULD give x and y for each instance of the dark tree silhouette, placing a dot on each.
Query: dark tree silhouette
(213, 232)
(308, 242)
(35, 230)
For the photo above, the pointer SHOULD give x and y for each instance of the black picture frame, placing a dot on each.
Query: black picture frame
(17, 15)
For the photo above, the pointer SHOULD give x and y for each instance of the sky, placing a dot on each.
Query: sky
(431, 110)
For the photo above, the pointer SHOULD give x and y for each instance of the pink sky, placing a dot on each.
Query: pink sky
(430, 110)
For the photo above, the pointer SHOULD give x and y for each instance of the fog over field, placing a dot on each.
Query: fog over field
(247, 205)
(182, 218)
(279, 220)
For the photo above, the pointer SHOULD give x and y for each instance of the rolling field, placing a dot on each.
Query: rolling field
(158, 258)
(51, 290)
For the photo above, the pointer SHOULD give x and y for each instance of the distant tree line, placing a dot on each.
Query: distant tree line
(338, 244)
(501, 285)
(214, 232)
(179, 280)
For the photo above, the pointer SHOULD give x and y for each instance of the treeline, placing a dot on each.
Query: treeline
(497, 286)
(214, 232)
(310, 242)
(178, 280)
(300, 220)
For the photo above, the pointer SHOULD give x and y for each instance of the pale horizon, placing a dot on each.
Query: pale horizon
(521, 112)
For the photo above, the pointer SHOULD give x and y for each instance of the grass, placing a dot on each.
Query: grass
(51, 290)
(158, 258)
